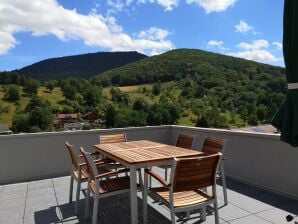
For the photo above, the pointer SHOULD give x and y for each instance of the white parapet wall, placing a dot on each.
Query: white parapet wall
(258, 159)
(26, 157)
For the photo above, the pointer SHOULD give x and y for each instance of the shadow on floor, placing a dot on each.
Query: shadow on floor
(281, 202)
(111, 211)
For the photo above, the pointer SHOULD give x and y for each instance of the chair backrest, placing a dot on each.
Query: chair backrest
(185, 141)
(91, 167)
(194, 173)
(213, 145)
(74, 155)
(112, 138)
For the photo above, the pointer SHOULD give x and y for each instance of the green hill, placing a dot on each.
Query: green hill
(84, 65)
(177, 64)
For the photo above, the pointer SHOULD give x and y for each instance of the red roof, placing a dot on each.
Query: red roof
(63, 116)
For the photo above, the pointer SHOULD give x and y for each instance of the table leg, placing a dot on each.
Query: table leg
(133, 195)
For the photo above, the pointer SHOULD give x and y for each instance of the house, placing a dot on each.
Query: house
(4, 130)
(91, 117)
(73, 126)
(65, 118)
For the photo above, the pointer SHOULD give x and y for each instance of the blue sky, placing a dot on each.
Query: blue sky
(31, 31)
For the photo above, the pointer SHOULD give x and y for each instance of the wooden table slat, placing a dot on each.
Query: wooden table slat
(143, 151)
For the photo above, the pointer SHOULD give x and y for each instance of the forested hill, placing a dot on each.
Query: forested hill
(210, 69)
(84, 65)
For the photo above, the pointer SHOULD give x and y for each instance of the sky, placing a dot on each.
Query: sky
(35, 30)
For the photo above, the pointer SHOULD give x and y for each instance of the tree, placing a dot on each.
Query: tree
(252, 120)
(20, 123)
(261, 112)
(202, 122)
(156, 88)
(92, 96)
(140, 104)
(244, 114)
(13, 93)
(32, 86)
(50, 85)
(174, 113)
(110, 117)
(69, 91)
(41, 117)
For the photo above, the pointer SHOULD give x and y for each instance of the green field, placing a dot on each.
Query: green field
(55, 97)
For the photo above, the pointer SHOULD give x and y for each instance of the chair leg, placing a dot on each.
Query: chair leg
(78, 196)
(87, 203)
(70, 188)
(141, 179)
(173, 218)
(95, 209)
(203, 214)
(216, 216)
(166, 174)
(145, 188)
(188, 214)
(224, 184)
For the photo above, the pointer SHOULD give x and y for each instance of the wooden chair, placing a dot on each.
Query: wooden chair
(214, 145)
(183, 141)
(100, 187)
(103, 139)
(189, 176)
(78, 171)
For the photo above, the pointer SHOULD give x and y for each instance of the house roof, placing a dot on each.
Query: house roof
(62, 116)
(90, 113)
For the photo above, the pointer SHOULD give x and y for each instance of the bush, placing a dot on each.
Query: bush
(13, 93)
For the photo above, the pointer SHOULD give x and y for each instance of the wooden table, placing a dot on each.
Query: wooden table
(141, 154)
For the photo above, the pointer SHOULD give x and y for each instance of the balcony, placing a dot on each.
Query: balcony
(262, 187)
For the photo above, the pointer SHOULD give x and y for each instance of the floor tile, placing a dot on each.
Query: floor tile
(250, 220)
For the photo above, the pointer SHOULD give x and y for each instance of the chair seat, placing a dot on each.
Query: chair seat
(101, 170)
(112, 184)
(165, 166)
(183, 198)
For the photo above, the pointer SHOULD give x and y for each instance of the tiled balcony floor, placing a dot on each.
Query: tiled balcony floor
(46, 201)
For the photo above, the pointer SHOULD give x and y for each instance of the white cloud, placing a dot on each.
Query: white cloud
(256, 51)
(278, 45)
(167, 4)
(255, 45)
(243, 27)
(116, 5)
(154, 34)
(7, 41)
(45, 17)
(215, 43)
(213, 5)
(257, 55)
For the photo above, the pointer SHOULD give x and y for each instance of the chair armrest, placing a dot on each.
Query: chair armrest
(106, 161)
(92, 154)
(112, 173)
(158, 178)
(98, 162)
(82, 164)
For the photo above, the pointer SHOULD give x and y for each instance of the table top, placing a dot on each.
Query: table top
(144, 151)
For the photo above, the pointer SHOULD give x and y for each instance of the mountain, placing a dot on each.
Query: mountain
(177, 64)
(84, 65)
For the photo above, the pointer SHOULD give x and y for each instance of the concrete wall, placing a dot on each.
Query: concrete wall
(258, 159)
(35, 156)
